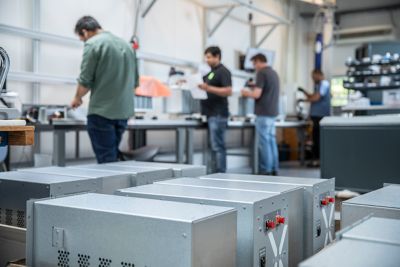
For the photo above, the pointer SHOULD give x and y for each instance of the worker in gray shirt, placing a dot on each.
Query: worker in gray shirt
(265, 91)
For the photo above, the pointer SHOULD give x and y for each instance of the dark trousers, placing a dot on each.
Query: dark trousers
(105, 136)
(316, 137)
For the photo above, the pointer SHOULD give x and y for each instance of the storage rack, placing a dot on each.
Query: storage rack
(368, 74)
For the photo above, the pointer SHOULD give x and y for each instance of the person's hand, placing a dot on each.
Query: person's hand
(76, 102)
(203, 86)
(245, 92)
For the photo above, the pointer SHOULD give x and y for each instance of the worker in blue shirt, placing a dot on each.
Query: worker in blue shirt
(320, 101)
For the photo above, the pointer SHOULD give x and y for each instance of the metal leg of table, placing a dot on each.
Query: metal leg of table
(254, 157)
(36, 147)
(189, 146)
(77, 144)
(180, 145)
(206, 150)
(301, 133)
(59, 148)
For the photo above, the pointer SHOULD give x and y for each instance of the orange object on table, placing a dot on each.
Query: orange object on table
(151, 87)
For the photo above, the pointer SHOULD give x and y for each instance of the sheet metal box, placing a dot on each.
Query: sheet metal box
(108, 230)
(110, 180)
(384, 202)
(319, 219)
(180, 170)
(140, 175)
(352, 253)
(295, 199)
(373, 229)
(12, 243)
(257, 245)
(16, 188)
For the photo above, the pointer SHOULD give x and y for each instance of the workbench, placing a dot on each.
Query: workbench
(184, 130)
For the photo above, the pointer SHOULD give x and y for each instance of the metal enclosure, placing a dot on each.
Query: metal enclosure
(140, 175)
(295, 195)
(180, 170)
(384, 202)
(319, 213)
(110, 181)
(121, 231)
(374, 229)
(351, 253)
(257, 244)
(12, 243)
(16, 188)
(361, 152)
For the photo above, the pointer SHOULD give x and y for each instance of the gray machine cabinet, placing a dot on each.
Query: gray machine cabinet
(384, 202)
(354, 253)
(319, 221)
(180, 170)
(373, 229)
(362, 152)
(110, 180)
(109, 230)
(295, 199)
(16, 188)
(140, 175)
(256, 245)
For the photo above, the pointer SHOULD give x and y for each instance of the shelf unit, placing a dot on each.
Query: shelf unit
(367, 73)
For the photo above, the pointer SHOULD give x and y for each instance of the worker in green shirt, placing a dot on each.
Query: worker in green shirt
(109, 73)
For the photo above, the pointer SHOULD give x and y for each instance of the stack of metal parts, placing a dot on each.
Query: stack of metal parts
(371, 242)
(104, 230)
(384, 202)
(180, 170)
(295, 200)
(319, 209)
(262, 225)
(16, 188)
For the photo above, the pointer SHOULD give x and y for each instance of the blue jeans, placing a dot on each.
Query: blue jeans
(268, 149)
(217, 128)
(105, 135)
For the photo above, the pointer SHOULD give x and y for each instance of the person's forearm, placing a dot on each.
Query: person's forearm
(255, 93)
(313, 98)
(225, 91)
(81, 91)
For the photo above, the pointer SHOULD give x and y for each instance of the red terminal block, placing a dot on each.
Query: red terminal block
(331, 199)
(324, 202)
(270, 224)
(280, 219)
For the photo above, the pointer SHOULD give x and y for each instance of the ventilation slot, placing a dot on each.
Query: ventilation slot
(21, 218)
(83, 260)
(104, 262)
(63, 258)
(9, 219)
(127, 264)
